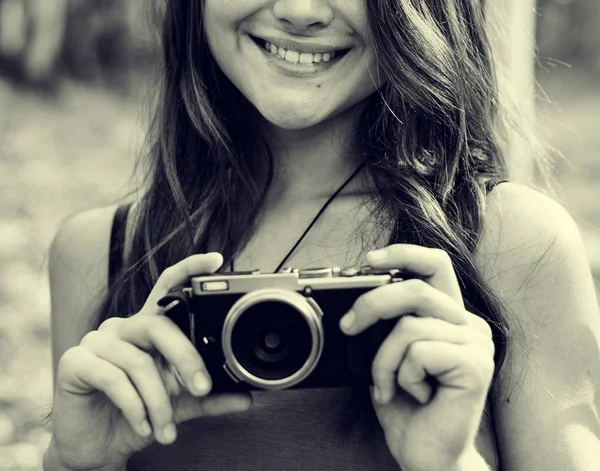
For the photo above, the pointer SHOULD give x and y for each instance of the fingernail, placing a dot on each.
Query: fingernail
(201, 383)
(145, 429)
(244, 404)
(377, 255)
(169, 433)
(377, 394)
(348, 320)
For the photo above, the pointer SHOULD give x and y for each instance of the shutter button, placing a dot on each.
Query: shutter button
(348, 272)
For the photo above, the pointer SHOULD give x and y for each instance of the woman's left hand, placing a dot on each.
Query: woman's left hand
(427, 424)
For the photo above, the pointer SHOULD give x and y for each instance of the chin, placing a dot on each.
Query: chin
(294, 118)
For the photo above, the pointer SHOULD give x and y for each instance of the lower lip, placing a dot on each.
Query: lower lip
(298, 69)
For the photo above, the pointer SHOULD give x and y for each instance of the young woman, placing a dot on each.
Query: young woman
(268, 108)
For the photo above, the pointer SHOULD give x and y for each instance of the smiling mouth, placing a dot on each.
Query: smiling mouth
(298, 57)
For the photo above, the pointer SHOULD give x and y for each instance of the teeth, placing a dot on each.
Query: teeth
(292, 56)
(306, 58)
(296, 57)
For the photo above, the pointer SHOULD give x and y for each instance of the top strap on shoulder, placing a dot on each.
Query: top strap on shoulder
(117, 242)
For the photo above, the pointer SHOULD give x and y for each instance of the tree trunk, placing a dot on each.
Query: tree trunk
(512, 32)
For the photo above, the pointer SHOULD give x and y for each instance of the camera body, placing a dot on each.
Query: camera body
(280, 330)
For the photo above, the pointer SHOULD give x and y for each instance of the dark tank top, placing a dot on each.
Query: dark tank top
(283, 430)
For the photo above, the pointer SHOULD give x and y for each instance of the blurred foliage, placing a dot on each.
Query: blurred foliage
(91, 40)
(569, 31)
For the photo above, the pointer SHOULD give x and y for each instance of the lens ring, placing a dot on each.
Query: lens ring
(310, 311)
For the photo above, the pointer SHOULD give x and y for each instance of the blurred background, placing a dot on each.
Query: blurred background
(74, 75)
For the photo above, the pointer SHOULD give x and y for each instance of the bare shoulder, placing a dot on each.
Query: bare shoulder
(78, 265)
(532, 255)
(522, 220)
(526, 236)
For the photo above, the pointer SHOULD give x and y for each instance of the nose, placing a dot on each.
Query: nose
(303, 14)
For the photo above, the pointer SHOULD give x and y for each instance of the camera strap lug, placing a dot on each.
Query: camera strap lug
(176, 305)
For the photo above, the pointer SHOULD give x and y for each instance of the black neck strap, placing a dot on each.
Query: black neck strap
(315, 219)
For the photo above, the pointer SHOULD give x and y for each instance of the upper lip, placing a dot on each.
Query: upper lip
(311, 47)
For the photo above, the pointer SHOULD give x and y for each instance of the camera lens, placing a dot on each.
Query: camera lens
(273, 339)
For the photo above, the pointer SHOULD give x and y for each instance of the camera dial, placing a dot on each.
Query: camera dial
(326, 272)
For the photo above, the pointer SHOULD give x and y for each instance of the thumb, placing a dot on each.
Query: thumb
(189, 407)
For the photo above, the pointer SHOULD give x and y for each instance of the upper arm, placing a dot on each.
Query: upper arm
(548, 396)
(78, 265)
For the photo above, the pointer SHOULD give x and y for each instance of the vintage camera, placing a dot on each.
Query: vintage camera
(281, 330)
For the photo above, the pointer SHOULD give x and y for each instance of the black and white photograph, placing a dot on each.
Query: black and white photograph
(255, 235)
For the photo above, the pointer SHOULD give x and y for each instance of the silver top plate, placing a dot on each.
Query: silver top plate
(232, 284)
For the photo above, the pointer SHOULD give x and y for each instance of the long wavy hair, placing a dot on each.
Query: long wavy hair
(428, 139)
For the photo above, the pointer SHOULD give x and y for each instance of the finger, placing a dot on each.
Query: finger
(434, 265)
(459, 369)
(406, 297)
(189, 407)
(144, 374)
(480, 324)
(408, 330)
(412, 377)
(81, 372)
(161, 334)
(179, 274)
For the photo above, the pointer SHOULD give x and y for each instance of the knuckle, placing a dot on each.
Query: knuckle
(94, 340)
(421, 291)
(113, 382)
(414, 351)
(415, 286)
(442, 256)
(70, 358)
(482, 370)
(167, 277)
(409, 325)
(481, 324)
(141, 362)
(111, 324)
(157, 325)
(91, 338)
(152, 325)
(404, 373)
(488, 356)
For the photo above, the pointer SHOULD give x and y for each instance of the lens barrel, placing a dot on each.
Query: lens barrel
(273, 338)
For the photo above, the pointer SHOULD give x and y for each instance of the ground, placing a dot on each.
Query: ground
(60, 155)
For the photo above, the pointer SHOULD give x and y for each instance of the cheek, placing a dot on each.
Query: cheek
(230, 13)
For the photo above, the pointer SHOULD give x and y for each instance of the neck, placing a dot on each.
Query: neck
(311, 163)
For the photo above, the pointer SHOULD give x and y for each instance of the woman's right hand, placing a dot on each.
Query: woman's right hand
(115, 396)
